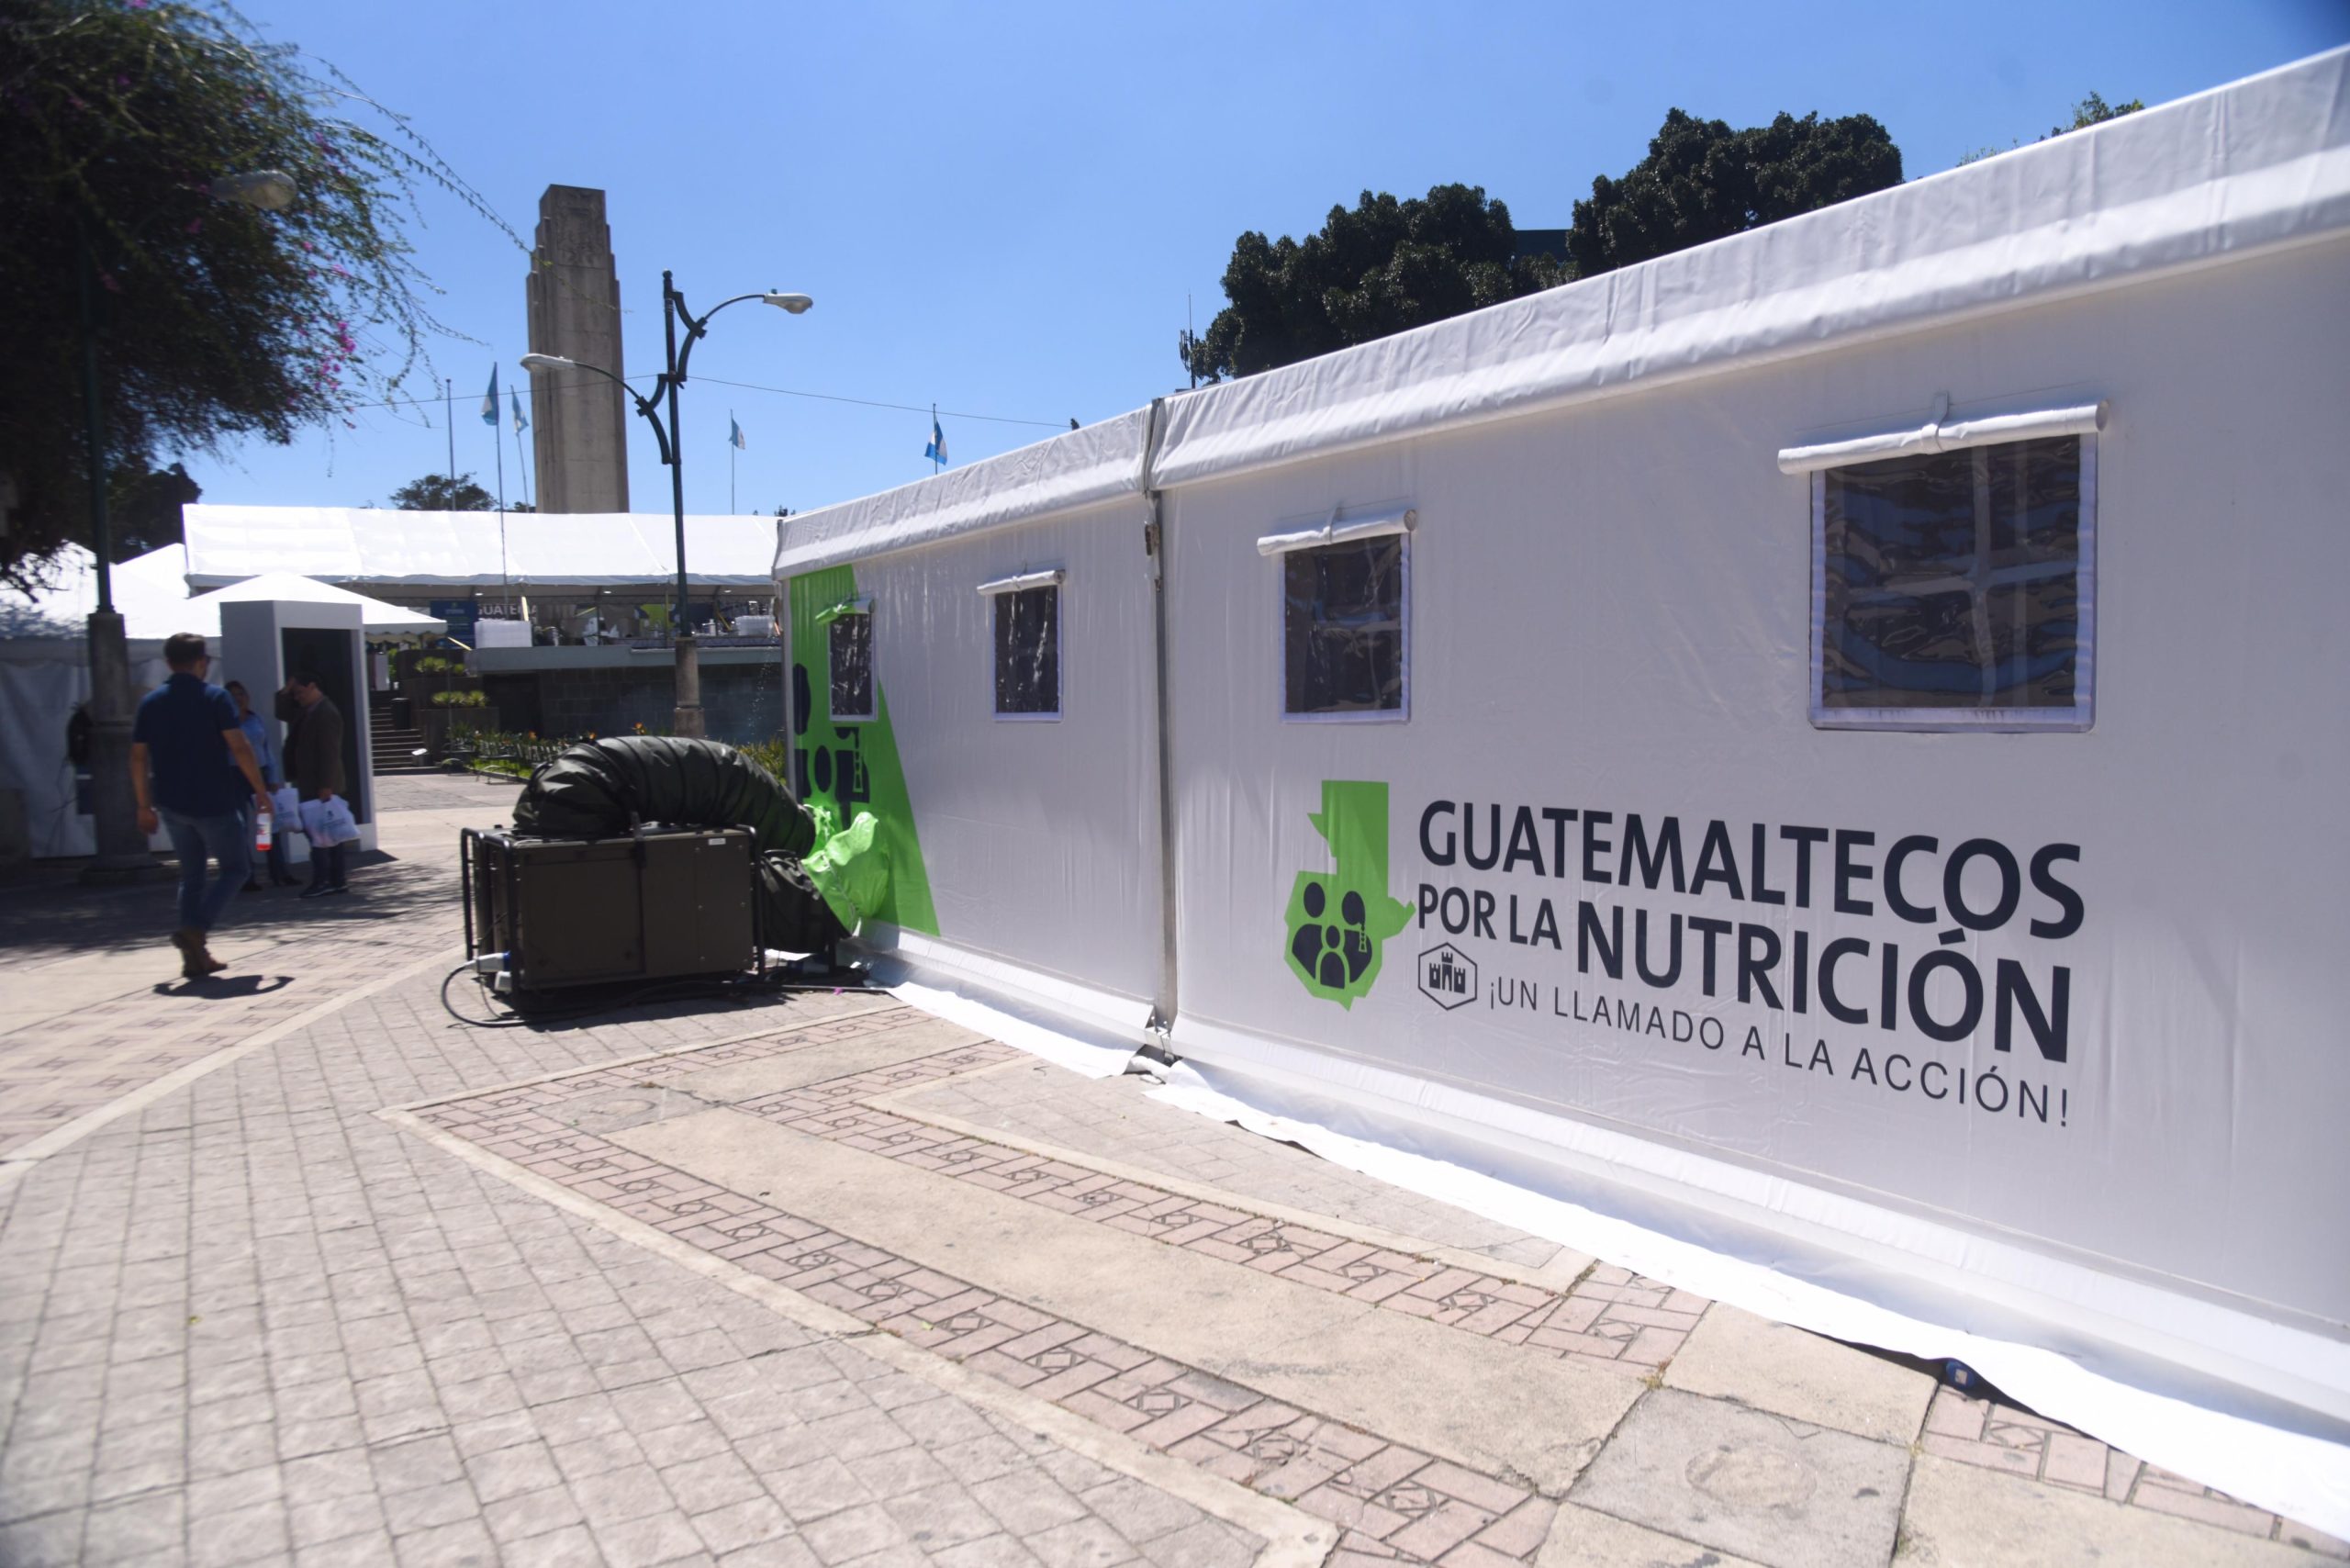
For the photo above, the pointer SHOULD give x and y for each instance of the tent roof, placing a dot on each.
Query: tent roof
(147, 592)
(463, 549)
(2255, 164)
(374, 615)
(150, 592)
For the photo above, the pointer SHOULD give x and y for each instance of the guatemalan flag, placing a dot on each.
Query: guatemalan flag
(936, 449)
(489, 403)
(734, 435)
(515, 397)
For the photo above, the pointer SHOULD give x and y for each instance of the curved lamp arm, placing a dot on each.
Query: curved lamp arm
(798, 304)
(537, 362)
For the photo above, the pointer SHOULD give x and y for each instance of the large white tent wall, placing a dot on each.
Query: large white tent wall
(45, 675)
(2115, 1174)
(1052, 816)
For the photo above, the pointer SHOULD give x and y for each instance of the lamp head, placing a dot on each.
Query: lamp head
(797, 304)
(271, 190)
(548, 362)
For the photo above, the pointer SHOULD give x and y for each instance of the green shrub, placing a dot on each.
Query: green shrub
(774, 755)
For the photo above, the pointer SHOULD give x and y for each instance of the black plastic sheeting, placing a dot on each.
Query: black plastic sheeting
(599, 787)
(789, 914)
(602, 789)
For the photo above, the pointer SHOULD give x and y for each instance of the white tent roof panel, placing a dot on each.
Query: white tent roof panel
(463, 549)
(150, 593)
(375, 616)
(147, 593)
(2255, 164)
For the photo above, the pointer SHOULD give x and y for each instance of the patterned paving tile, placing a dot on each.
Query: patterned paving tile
(2017, 1442)
(1391, 1501)
(1611, 1317)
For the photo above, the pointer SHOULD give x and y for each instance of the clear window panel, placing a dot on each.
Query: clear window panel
(1028, 651)
(852, 660)
(1952, 579)
(1342, 613)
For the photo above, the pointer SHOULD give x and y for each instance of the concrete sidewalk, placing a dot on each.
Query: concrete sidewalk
(308, 1268)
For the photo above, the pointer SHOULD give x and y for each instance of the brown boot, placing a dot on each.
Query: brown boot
(196, 962)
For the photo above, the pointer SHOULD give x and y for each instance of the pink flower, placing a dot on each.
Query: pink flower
(195, 225)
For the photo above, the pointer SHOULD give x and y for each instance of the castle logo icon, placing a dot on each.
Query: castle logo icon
(1447, 976)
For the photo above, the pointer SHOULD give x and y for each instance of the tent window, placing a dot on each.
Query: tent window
(1343, 653)
(1954, 590)
(1028, 653)
(851, 641)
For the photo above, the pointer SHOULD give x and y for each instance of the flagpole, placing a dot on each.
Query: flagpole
(504, 586)
(522, 461)
(449, 391)
(934, 459)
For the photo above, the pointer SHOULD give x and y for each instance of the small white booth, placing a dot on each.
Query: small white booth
(264, 643)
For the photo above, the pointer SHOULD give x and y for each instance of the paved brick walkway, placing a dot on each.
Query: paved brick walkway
(96, 1007)
(271, 1317)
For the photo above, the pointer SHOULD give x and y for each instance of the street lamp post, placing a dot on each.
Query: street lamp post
(122, 852)
(687, 720)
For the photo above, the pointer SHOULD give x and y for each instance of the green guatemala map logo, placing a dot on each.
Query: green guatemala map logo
(1338, 919)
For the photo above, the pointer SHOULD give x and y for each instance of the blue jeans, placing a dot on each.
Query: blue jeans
(195, 839)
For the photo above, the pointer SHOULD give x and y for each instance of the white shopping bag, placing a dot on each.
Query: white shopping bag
(328, 822)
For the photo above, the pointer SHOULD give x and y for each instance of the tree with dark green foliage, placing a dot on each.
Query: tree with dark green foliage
(2091, 110)
(2095, 110)
(145, 509)
(1703, 181)
(442, 492)
(1388, 266)
(216, 320)
(1383, 268)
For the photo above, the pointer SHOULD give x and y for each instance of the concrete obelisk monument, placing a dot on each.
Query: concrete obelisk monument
(579, 432)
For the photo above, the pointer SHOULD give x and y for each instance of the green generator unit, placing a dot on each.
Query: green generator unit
(656, 904)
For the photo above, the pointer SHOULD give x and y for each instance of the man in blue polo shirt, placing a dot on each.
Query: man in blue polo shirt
(190, 737)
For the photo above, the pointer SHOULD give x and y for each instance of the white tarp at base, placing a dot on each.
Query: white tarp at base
(2303, 1477)
(1024, 1027)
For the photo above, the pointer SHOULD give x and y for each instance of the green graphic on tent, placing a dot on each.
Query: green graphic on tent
(852, 765)
(1339, 919)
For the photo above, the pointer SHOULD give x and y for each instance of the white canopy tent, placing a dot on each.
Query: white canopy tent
(377, 618)
(45, 674)
(473, 549)
(2083, 1138)
(149, 592)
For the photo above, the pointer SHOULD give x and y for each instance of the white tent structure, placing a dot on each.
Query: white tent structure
(45, 672)
(471, 549)
(1809, 765)
(148, 593)
(377, 618)
(45, 675)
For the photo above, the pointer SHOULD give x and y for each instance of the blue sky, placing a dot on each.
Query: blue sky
(1001, 209)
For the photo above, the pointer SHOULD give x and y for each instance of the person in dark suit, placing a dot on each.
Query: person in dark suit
(313, 766)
